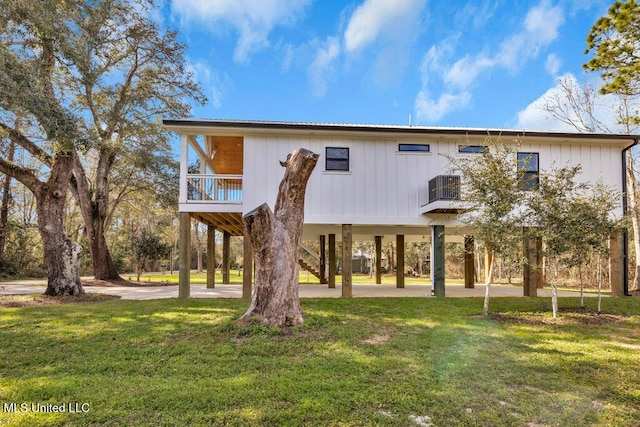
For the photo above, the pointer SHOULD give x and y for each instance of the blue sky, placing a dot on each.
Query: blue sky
(456, 63)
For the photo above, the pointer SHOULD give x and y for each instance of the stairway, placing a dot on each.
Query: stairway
(310, 261)
(311, 269)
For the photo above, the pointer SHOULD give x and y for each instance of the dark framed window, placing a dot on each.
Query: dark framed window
(529, 164)
(471, 148)
(415, 148)
(337, 159)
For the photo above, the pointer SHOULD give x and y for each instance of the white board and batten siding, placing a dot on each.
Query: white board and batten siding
(385, 186)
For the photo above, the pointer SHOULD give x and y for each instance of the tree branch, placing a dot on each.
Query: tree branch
(22, 174)
(27, 144)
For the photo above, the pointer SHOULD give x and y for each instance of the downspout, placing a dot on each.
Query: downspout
(625, 231)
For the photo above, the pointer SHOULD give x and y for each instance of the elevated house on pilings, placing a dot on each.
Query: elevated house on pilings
(372, 183)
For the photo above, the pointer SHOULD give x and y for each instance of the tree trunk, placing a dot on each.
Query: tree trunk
(4, 207)
(634, 211)
(599, 282)
(62, 254)
(275, 238)
(554, 291)
(487, 291)
(93, 206)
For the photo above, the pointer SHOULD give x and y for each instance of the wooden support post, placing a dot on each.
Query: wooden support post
(226, 254)
(185, 255)
(211, 257)
(332, 261)
(323, 260)
(400, 261)
(347, 291)
(437, 259)
(247, 268)
(616, 264)
(532, 271)
(469, 264)
(378, 240)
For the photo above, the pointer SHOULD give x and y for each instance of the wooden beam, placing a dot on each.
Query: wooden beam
(323, 260)
(437, 259)
(469, 265)
(185, 255)
(247, 268)
(332, 261)
(226, 253)
(196, 146)
(378, 241)
(211, 256)
(400, 261)
(347, 290)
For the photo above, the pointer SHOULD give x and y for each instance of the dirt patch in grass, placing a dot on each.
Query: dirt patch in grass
(129, 283)
(7, 301)
(572, 316)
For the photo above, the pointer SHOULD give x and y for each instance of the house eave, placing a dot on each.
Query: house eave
(248, 127)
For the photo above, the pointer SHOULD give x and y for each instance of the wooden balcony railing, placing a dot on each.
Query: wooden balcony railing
(214, 188)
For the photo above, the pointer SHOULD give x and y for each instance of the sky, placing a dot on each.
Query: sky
(451, 63)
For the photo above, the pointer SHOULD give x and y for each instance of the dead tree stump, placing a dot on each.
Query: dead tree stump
(275, 238)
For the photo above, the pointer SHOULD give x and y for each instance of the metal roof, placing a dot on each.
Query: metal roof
(250, 125)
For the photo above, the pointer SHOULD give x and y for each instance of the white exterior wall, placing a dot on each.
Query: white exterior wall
(387, 187)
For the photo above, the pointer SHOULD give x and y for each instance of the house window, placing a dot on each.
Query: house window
(419, 148)
(337, 159)
(471, 148)
(529, 164)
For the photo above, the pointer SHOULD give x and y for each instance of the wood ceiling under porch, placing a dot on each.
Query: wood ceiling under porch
(230, 222)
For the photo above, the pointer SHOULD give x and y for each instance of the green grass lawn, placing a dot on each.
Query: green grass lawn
(355, 362)
(201, 278)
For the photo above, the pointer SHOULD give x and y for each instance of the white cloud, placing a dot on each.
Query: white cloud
(253, 20)
(476, 13)
(432, 110)
(396, 20)
(539, 29)
(321, 68)
(465, 71)
(553, 64)
(213, 82)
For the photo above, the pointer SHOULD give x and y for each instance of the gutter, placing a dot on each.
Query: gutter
(625, 231)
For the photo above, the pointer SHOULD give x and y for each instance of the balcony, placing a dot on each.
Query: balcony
(215, 189)
(443, 195)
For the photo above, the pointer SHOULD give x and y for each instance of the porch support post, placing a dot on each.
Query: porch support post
(211, 257)
(469, 265)
(347, 291)
(437, 259)
(226, 253)
(616, 264)
(399, 261)
(247, 267)
(532, 271)
(332, 261)
(378, 240)
(185, 255)
(323, 260)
